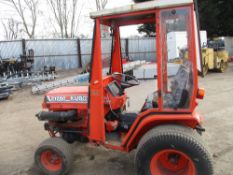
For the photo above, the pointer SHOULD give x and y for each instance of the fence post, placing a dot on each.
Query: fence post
(79, 53)
(24, 54)
(127, 47)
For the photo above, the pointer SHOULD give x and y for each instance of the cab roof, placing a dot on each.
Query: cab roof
(140, 7)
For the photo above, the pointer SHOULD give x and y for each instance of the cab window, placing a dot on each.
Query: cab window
(177, 69)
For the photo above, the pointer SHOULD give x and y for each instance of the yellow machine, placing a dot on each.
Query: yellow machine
(214, 56)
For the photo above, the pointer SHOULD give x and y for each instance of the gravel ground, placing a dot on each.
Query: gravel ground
(21, 133)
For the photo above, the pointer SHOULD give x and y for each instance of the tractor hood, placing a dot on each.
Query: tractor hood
(76, 94)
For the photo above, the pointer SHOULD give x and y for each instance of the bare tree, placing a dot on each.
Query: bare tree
(66, 16)
(28, 21)
(11, 29)
(101, 4)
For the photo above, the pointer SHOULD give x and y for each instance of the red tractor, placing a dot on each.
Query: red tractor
(165, 132)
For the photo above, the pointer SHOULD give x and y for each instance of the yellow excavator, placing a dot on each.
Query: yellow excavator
(214, 56)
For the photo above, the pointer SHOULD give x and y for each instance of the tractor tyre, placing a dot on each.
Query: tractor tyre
(172, 149)
(54, 157)
(223, 66)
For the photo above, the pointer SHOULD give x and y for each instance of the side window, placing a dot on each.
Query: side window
(177, 80)
(106, 47)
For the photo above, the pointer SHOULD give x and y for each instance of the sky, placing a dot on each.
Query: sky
(45, 25)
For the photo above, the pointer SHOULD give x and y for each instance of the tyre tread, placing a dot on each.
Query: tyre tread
(62, 146)
(178, 132)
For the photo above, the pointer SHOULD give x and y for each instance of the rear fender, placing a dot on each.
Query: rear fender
(147, 122)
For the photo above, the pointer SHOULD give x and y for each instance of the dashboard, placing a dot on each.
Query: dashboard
(114, 88)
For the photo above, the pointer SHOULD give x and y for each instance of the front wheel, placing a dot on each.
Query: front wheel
(54, 157)
(172, 149)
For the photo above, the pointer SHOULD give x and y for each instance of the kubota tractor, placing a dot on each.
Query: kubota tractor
(165, 132)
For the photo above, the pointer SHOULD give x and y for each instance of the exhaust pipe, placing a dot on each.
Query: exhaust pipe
(59, 116)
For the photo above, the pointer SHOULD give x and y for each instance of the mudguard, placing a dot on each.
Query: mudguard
(148, 121)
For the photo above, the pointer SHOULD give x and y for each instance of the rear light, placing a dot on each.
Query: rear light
(200, 93)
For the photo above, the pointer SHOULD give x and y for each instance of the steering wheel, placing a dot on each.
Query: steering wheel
(125, 80)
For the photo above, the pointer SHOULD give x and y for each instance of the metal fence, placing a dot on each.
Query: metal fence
(10, 49)
(73, 53)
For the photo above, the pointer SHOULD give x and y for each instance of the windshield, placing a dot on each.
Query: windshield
(216, 44)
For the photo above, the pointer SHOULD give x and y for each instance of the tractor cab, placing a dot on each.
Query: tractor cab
(176, 83)
(163, 130)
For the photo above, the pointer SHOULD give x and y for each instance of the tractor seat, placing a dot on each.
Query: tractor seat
(180, 88)
(127, 120)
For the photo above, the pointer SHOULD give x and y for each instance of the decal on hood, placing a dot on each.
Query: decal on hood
(68, 99)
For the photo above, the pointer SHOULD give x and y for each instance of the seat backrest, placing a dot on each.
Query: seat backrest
(180, 87)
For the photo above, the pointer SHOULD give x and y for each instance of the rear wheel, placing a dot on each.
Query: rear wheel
(172, 149)
(54, 157)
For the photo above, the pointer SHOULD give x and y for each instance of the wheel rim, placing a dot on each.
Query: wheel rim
(171, 162)
(51, 160)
